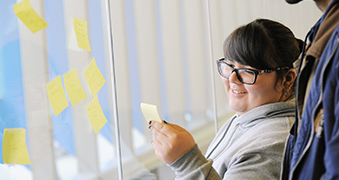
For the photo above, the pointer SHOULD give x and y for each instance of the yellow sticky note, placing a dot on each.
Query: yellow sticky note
(14, 148)
(24, 11)
(73, 87)
(150, 112)
(80, 27)
(96, 115)
(94, 77)
(56, 95)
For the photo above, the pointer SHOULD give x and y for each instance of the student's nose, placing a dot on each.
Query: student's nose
(234, 78)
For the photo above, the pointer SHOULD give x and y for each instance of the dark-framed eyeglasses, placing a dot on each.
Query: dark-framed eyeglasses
(245, 75)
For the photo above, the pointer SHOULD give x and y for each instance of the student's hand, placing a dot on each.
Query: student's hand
(170, 141)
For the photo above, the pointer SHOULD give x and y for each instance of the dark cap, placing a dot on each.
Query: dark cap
(293, 1)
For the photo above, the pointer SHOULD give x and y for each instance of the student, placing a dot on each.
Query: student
(313, 151)
(258, 77)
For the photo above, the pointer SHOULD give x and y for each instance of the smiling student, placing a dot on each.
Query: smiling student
(258, 76)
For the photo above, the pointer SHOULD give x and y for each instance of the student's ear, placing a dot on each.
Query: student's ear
(290, 78)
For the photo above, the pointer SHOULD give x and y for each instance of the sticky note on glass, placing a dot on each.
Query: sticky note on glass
(150, 112)
(24, 11)
(96, 115)
(94, 78)
(14, 148)
(73, 87)
(56, 95)
(80, 27)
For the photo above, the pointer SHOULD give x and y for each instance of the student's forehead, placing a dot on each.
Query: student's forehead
(236, 63)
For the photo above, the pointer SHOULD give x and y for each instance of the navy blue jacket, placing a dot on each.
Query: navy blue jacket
(312, 149)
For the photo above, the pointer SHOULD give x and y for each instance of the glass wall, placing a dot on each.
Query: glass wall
(73, 75)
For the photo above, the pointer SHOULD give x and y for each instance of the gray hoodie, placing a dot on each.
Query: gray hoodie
(249, 146)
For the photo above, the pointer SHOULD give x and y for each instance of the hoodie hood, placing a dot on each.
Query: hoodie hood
(268, 111)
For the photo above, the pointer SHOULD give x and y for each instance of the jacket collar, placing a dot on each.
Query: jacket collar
(323, 29)
(318, 37)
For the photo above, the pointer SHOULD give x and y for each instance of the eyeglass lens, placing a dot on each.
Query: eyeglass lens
(244, 75)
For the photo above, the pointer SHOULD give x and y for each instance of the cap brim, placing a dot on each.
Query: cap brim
(293, 1)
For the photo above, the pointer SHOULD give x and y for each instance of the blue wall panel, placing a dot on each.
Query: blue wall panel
(12, 104)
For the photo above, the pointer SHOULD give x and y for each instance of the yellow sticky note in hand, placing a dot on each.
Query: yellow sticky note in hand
(24, 11)
(94, 77)
(80, 27)
(150, 112)
(95, 115)
(14, 148)
(56, 95)
(73, 87)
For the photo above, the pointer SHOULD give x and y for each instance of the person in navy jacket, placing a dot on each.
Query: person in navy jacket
(312, 149)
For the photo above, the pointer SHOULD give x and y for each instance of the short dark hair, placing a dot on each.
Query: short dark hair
(263, 44)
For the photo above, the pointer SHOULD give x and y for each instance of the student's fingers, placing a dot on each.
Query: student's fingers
(160, 151)
(164, 141)
(156, 143)
(171, 134)
(170, 141)
(161, 145)
(159, 136)
(167, 129)
(164, 128)
(163, 148)
(175, 138)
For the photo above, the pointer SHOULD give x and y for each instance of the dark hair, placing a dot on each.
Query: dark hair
(263, 44)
